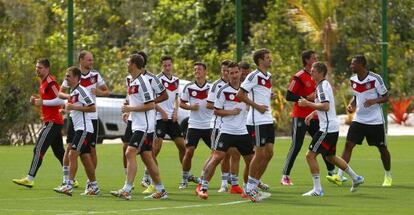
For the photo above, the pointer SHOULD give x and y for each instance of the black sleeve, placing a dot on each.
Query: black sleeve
(291, 96)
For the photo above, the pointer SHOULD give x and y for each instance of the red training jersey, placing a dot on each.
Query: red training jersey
(49, 89)
(302, 85)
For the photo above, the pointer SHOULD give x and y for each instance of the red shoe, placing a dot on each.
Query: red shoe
(198, 188)
(244, 195)
(236, 189)
(203, 194)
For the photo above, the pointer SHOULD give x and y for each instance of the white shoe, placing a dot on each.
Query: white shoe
(356, 183)
(223, 189)
(313, 193)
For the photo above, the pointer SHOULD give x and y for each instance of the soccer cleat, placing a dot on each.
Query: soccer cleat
(244, 195)
(24, 182)
(150, 189)
(223, 189)
(313, 193)
(183, 185)
(91, 191)
(334, 179)
(75, 184)
(66, 189)
(263, 186)
(194, 179)
(198, 188)
(387, 181)
(121, 193)
(236, 189)
(158, 195)
(203, 194)
(254, 195)
(286, 181)
(145, 182)
(356, 183)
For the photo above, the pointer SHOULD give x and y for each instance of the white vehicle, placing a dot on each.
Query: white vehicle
(110, 121)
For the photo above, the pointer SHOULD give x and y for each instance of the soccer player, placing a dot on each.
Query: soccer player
(194, 98)
(51, 132)
(301, 85)
(81, 106)
(93, 82)
(369, 93)
(142, 110)
(256, 92)
(244, 69)
(233, 132)
(324, 141)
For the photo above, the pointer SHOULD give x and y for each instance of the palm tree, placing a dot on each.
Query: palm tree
(316, 19)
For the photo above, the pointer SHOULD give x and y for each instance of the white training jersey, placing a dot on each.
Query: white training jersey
(259, 89)
(371, 87)
(171, 85)
(81, 120)
(227, 100)
(328, 122)
(89, 81)
(128, 80)
(212, 94)
(155, 83)
(139, 93)
(192, 93)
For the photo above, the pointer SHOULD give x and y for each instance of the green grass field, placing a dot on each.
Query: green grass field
(371, 198)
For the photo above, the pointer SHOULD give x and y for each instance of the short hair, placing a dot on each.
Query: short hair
(259, 54)
(166, 57)
(200, 64)
(233, 65)
(82, 54)
(144, 56)
(244, 65)
(75, 71)
(306, 55)
(44, 61)
(138, 60)
(360, 59)
(320, 67)
(225, 62)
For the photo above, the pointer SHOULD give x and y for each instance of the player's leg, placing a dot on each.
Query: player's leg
(93, 142)
(315, 148)
(57, 143)
(234, 168)
(376, 137)
(193, 137)
(177, 135)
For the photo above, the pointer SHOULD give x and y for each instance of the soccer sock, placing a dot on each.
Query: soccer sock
(204, 185)
(146, 174)
(70, 184)
(252, 183)
(316, 182)
(127, 187)
(331, 172)
(202, 175)
(160, 187)
(30, 178)
(234, 180)
(388, 174)
(93, 184)
(340, 173)
(65, 173)
(351, 173)
(185, 176)
(224, 178)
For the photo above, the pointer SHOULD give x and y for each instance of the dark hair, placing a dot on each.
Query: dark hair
(244, 65)
(320, 67)
(259, 54)
(200, 64)
(360, 59)
(44, 61)
(233, 64)
(75, 71)
(144, 56)
(306, 55)
(82, 54)
(225, 62)
(166, 57)
(138, 60)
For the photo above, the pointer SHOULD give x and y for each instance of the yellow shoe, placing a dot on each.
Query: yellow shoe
(150, 189)
(75, 184)
(387, 181)
(24, 182)
(335, 179)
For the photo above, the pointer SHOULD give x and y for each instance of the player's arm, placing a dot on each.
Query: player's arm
(379, 100)
(82, 108)
(187, 106)
(175, 111)
(102, 90)
(210, 105)
(294, 87)
(138, 108)
(242, 95)
(161, 97)
(323, 106)
(352, 104)
(222, 112)
(63, 92)
(164, 114)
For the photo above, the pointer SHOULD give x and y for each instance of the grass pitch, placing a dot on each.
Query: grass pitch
(371, 198)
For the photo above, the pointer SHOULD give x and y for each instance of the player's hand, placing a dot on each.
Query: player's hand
(369, 102)
(302, 102)
(33, 98)
(350, 108)
(69, 107)
(125, 117)
(311, 97)
(308, 119)
(236, 111)
(164, 116)
(94, 91)
(195, 106)
(126, 109)
(262, 108)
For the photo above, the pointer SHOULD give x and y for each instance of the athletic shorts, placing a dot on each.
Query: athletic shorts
(128, 132)
(81, 141)
(142, 141)
(241, 142)
(375, 134)
(168, 127)
(194, 135)
(71, 132)
(324, 143)
(261, 135)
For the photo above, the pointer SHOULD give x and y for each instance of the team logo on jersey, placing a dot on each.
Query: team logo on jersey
(368, 85)
(220, 144)
(264, 82)
(73, 99)
(231, 97)
(194, 93)
(354, 85)
(93, 80)
(133, 89)
(166, 84)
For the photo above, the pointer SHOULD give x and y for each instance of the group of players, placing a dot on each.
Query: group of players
(232, 116)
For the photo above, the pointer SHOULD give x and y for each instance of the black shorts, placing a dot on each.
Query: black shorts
(241, 142)
(128, 132)
(261, 135)
(71, 132)
(81, 141)
(168, 127)
(194, 135)
(375, 134)
(94, 138)
(142, 141)
(324, 143)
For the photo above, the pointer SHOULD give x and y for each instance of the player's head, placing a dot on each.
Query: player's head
(244, 69)
(200, 70)
(234, 72)
(262, 58)
(144, 56)
(224, 69)
(318, 71)
(85, 59)
(308, 58)
(358, 63)
(135, 63)
(42, 67)
(73, 75)
(167, 64)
